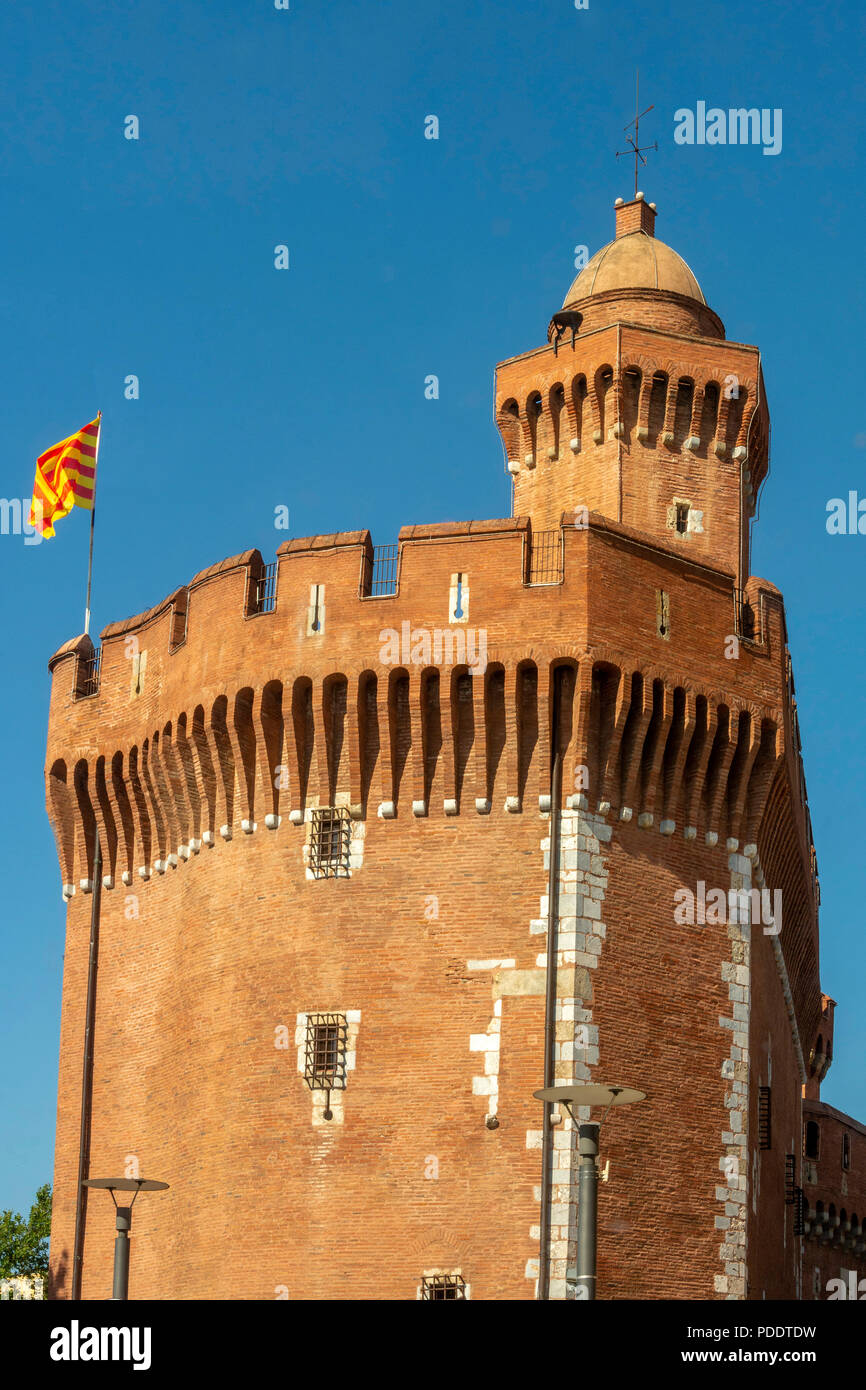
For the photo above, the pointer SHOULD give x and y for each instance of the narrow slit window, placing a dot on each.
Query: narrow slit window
(682, 517)
(846, 1152)
(812, 1139)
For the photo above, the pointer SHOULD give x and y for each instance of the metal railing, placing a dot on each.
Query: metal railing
(87, 675)
(746, 622)
(264, 590)
(545, 558)
(380, 573)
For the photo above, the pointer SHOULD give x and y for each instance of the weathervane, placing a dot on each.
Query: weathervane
(635, 147)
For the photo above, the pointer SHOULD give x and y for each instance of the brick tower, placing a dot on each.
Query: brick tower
(351, 804)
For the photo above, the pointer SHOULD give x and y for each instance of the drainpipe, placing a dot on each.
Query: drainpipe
(550, 1000)
(622, 414)
(87, 1076)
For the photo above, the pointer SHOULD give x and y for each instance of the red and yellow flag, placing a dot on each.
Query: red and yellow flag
(65, 478)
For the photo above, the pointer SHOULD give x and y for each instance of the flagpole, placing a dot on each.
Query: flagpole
(92, 522)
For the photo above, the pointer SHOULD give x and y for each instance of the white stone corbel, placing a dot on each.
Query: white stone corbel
(272, 822)
(249, 827)
(482, 805)
(449, 806)
(419, 808)
(387, 810)
(208, 838)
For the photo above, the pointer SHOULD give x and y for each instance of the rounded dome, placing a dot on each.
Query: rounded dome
(635, 261)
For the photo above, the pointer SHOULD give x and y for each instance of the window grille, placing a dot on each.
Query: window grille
(765, 1129)
(330, 832)
(87, 675)
(177, 634)
(790, 1176)
(682, 517)
(440, 1286)
(545, 557)
(325, 1052)
(745, 617)
(799, 1212)
(380, 573)
(264, 590)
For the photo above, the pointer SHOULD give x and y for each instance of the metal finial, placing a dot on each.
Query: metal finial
(633, 142)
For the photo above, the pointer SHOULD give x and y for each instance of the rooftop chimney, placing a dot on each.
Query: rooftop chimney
(636, 216)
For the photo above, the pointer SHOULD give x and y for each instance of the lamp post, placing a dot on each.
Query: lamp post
(581, 1094)
(120, 1287)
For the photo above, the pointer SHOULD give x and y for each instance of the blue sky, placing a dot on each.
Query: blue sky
(305, 388)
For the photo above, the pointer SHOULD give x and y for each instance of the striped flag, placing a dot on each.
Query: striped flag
(65, 478)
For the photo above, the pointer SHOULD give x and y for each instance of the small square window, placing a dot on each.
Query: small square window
(325, 1055)
(439, 1286)
(329, 842)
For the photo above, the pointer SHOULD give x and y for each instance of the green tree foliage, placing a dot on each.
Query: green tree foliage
(24, 1243)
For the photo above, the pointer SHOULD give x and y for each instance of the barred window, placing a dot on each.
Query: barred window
(682, 517)
(443, 1286)
(325, 1056)
(329, 842)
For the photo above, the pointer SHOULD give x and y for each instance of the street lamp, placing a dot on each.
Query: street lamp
(120, 1287)
(581, 1094)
